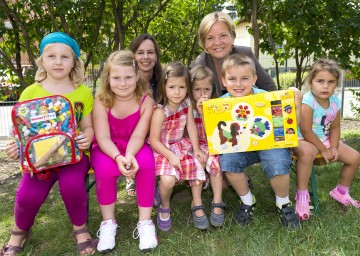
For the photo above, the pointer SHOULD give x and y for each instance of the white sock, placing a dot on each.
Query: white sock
(280, 201)
(248, 199)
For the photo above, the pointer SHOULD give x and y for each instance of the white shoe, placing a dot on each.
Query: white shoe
(145, 230)
(106, 235)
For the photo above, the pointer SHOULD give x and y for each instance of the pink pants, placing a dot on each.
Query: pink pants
(107, 172)
(32, 193)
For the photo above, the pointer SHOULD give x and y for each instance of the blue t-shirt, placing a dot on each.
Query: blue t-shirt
(255, 90)
(322, 118)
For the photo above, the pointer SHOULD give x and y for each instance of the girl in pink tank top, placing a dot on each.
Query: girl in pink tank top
(122, 114)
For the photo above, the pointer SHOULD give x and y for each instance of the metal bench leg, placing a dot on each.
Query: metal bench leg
(88, 185)
(314, 192)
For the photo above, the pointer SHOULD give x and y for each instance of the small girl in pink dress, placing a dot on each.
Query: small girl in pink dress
(177, 158)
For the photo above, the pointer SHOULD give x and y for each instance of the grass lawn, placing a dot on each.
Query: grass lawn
(336, 231)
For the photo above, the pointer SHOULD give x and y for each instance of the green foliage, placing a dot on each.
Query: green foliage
(100, 27)
(10, 88)
(355, 106)
(308, 29)
(354, 73)
(287, 79)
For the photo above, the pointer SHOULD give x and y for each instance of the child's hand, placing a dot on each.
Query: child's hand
(199, 104)
(335, 153)
(83, 141)
(126, 167)
(132, 165)
(12, 150)
(298, 97)
(200, 156)
(327, 155)
(175, 161)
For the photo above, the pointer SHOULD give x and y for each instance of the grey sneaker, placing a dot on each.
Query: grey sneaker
(200, 222)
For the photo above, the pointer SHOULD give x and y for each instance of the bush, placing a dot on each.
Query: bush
(288, 79)
(9, 87)
(355, 106)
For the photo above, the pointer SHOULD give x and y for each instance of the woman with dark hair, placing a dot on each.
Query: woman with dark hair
(147, 53)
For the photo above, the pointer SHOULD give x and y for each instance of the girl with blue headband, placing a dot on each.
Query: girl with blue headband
(61, 72)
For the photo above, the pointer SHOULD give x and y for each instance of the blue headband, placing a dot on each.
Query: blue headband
(60, 37)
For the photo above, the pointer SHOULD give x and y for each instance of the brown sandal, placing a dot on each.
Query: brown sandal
(9, 250)
(88, 244)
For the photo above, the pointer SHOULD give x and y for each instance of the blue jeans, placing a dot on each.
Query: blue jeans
(274, 161)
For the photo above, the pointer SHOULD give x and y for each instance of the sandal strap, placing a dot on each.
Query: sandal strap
(80, 231)
(198, 207)
(90, 243)
(218, 205)
(130, 184)
(163, 210)
(19, 232)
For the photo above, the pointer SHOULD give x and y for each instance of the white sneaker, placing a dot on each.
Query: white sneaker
(106, 235)
(146, 231)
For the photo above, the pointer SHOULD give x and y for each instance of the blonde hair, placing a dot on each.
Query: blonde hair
(120, 58)
(209, 20)
(238, 60)
(201, 72)
(174, 69)
(323, 64)
(77, 73)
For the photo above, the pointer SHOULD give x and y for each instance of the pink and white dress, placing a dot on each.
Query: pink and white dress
(212, 162)
(172, 136)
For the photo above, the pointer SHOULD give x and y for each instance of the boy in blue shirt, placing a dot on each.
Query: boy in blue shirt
(239, 76)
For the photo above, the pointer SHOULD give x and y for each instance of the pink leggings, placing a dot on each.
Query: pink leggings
(32, 193)
(106, 189)
(107, 172)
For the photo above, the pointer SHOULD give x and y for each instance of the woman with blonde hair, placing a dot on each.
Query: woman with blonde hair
(216, 37)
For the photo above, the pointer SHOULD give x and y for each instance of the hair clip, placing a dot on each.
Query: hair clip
(193, 77)
(134, 64)
(166, 76)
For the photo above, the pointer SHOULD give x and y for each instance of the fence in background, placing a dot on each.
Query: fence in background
(5, 118)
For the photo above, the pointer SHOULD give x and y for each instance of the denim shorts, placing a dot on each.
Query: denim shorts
(274, 161)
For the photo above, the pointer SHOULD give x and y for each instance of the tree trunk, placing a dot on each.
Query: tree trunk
(255, 28)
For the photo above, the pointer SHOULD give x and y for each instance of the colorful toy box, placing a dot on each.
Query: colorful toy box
(256, 122)
(45, 128)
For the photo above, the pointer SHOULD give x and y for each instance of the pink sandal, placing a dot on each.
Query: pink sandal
(302, 207)
(345, 200)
